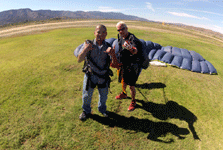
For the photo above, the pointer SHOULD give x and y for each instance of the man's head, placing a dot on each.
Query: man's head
(100, 33)
(122, 29)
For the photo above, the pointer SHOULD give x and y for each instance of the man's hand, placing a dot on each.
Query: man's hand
(127, 45)
(133, 50)
(88, 45)
(110, 51)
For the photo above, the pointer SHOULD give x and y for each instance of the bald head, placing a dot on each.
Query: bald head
(100, 33)
(101, 26)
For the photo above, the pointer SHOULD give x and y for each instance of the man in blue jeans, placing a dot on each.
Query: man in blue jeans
(98, 56)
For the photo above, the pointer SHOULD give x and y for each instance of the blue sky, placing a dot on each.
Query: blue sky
(201, 13)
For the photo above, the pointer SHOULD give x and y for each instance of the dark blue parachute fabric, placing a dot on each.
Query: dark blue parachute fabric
(152, 53)
(77, 50)
(210, 67)
(167, 58)
(182, 58)
(110, 41)
(186, 64)
(159, 54)
(177, 61)
(167, 49)
(204, 67)
(196, 67)
(149, 46)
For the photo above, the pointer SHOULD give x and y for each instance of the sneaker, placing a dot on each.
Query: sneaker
(121, 96)
(105, 114)
(84, 116)
(132, 105)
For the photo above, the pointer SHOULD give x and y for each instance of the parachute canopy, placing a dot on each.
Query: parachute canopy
(179, 57)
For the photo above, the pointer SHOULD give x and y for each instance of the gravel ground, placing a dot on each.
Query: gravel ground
(38, 28)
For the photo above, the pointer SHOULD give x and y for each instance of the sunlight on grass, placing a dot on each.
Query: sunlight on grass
(41, 89)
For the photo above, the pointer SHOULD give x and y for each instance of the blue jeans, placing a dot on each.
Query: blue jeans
(87, 96)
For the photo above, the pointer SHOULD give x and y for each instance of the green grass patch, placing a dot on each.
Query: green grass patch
(41, 90)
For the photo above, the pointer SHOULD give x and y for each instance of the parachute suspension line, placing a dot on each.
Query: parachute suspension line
(164, 94)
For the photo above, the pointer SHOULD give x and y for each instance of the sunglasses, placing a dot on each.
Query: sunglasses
(121, 29)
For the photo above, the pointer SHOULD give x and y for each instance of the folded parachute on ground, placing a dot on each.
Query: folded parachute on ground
(182, 58)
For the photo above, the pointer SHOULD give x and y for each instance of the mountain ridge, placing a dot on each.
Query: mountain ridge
(26, 14)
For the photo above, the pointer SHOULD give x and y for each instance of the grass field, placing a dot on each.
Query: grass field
(41, 89)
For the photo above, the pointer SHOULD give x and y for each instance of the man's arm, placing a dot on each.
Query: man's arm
(114, 61)
(86, 49)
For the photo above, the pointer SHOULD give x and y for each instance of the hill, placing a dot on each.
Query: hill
(20, 16)
(25, 15)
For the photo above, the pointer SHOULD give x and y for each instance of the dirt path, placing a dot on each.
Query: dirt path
(32, 29)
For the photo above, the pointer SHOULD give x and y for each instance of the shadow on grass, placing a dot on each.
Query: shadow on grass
(160, 111)
(155, 129)
(170, 110)
(155, 85)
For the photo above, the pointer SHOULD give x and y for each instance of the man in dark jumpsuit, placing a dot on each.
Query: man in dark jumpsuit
(129, 54)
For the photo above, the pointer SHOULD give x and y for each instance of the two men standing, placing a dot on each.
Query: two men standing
(99, 56)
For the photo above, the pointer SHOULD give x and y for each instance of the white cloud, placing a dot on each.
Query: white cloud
(194, 10)
(213, 28)
(187, 15)
(149, 6)
(208, 12)
(217, 27)
(108, 9)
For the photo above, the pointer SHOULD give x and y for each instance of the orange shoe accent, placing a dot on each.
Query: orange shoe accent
(123, 89)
